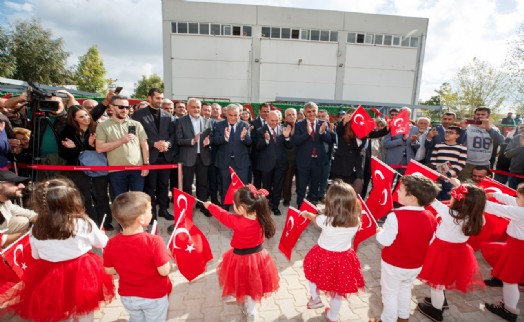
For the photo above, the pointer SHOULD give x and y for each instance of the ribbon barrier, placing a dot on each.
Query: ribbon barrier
(49, 167)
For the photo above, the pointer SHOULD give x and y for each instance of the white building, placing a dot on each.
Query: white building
(256, 53)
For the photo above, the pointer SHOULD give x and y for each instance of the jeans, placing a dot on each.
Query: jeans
(142, 309)
(126, 180)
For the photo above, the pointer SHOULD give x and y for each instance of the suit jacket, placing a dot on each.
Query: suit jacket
(305, 144)
(166, 132)
(234, 147)
(396, 147)
(272, 154)
(185, 134)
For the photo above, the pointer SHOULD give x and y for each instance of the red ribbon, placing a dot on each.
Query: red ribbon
(459, 192)
(49, 167)
(256, 192)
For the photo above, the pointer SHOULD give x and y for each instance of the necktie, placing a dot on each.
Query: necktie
(275, 135)
(314, 151)
(232, 133)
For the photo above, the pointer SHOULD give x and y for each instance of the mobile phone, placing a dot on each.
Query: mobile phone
(118, 89)
(131, 129)
(473, 122)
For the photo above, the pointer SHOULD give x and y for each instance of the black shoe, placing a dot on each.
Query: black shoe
(427, 300)
(170, 229)
(277, 212)
(108, 227)
(430, 312)
(500, 310)
(493, 282)
(286, 203)
(166, 215)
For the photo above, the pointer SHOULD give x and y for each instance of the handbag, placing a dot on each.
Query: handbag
(93, 158)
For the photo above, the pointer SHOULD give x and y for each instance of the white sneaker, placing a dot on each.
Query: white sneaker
(314, 304)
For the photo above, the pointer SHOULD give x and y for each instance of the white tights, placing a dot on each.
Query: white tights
(437, 298)
(510, 294)
(250, 305)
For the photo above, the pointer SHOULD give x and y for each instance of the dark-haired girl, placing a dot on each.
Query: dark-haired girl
(450, 262)
(247, 271)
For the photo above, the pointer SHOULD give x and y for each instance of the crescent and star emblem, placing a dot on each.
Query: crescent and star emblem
(189, 247)
(359, 116)
(15, 259)
(291, 222)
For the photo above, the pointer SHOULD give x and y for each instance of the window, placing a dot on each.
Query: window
(413, 42)
(304, 34)
(173, 27)
(236, 30)
(360, 38)
(333, 36)
(182, 27)
(352, 37)
(378, 39)
(246, 31)
(396, 41)
(275, 32)
(286, 33)
(315, 34)
(388, 40)
(204, 29)
(405, 42)
(368, 39)
(266, 31)
(295, 34)
(324, 35)
(215, 29)
(226, 30)
(193, 28)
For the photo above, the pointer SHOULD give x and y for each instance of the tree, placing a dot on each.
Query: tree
(515, 67)
(480, 84)
(90, 72)
(146, 83)
(7, 61)
(38, 57)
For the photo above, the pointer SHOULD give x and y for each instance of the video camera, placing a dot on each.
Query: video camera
(40, 101)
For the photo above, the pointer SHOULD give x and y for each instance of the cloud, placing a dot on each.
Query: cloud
(25, 7)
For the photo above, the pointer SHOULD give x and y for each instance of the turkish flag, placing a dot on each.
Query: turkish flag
(491, 186)
(362, 123)
(379, 200)
(415, 167)
(293, 228)
(235, 184)
(18, 255)
(188, 244)
(368, 225)
(400, 124)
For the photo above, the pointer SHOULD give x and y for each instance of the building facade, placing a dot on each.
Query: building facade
(253, 53)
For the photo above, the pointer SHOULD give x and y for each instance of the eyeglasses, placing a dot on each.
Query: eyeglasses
(450, 132)
(122, 106)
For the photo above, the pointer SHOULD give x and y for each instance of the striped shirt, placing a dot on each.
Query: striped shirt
(456, 155)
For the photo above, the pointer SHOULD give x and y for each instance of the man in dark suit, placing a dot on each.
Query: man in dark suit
(232, 139)
(160, 130)
(290, 119)
(257, 123)
(192, 136)
(273, 141)
(310, 135)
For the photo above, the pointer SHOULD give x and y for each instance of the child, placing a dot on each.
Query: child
(140, 259)
(66, 280)
(406, 235)
(332, 265)
(509, 267)
(450, 262)
(247, 271)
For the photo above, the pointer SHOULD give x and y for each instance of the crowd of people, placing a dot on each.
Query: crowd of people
(268, 153)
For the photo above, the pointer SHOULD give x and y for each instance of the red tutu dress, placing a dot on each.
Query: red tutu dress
(450, 264)
(247, 269)
(336, 271)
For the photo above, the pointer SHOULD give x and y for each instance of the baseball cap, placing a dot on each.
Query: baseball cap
(341, 113)
(12, 177)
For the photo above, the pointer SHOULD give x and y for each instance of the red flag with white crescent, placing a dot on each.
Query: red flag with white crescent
(368, 225)
(380, 201)
(400, 124)
(362, 123)
(293, 228)
(18, 255)
(189, 246)
(414, 168)
(235, 184)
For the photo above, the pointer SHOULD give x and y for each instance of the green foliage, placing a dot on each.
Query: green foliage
(434, 115)
(7, 62)
(38, 57)
(90, 72)
(146, 83)
(515, 67)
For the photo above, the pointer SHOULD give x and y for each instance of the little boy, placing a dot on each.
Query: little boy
(141, 260)
(406, 236)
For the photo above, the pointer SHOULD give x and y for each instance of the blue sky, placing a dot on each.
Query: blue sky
(128, 32)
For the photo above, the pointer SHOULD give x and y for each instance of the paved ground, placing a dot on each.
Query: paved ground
(200, 300)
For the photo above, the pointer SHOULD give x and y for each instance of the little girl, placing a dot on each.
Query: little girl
(509, 267)
(450, 262)
(332, 265)
(67, 280)
(247, 271)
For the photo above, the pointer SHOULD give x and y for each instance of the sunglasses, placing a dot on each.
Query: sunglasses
(122, 106)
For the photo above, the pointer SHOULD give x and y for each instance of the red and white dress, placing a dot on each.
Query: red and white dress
(247, 269)
(507, 258)
(66, 280)
(450, 262)
(332, 264)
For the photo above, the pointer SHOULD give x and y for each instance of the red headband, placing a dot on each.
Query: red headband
(459, 192)
(256, 192)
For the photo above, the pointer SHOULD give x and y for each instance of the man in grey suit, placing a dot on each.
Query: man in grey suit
(160, 130)
(192, 135)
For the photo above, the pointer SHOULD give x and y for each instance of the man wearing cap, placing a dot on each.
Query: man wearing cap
(14, 220)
